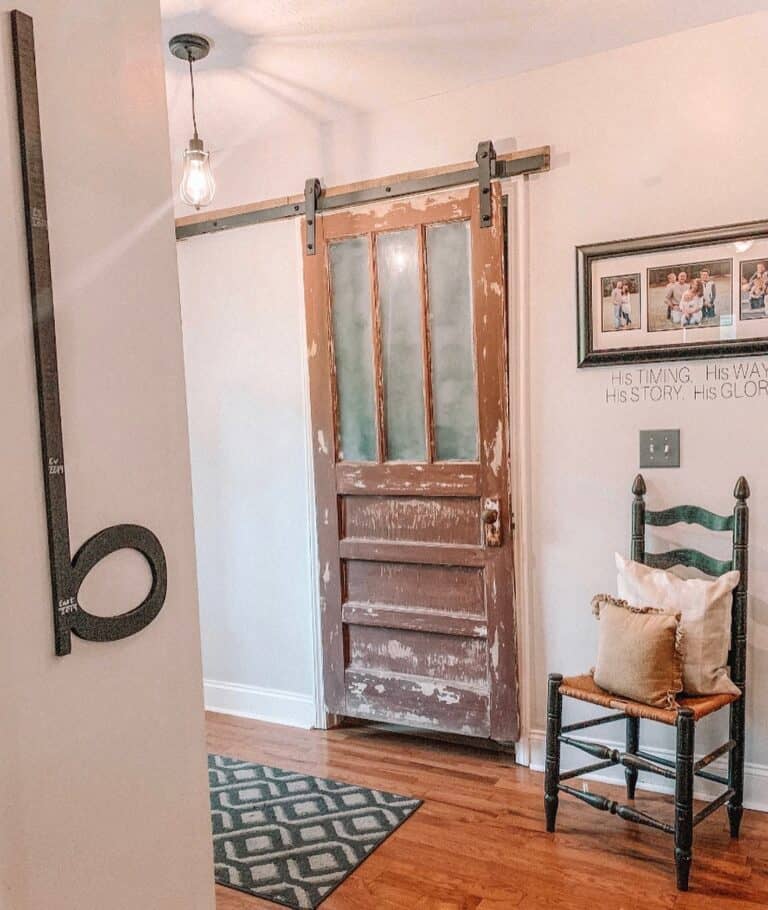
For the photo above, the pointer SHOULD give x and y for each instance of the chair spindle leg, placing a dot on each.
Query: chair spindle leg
(633, 744)
(684, 796)
(734, 806)
(738, 654)
(552, 766)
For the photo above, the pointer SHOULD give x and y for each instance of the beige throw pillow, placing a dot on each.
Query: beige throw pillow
(638, 654)
(705, 609)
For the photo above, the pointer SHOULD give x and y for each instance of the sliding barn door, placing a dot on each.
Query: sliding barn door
(407, 360)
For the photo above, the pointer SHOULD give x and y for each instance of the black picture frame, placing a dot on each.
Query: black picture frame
(588, 254)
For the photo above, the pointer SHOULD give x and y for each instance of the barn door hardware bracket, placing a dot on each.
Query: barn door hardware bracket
(486, 166)
(312, 191)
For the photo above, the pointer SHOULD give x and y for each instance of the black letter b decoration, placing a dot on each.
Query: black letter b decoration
(67, 573)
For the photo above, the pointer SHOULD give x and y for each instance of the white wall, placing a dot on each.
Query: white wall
(660, 136)
(243, 324)
(103, 797)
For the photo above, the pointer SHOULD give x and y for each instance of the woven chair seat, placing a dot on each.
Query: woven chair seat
(585, 689)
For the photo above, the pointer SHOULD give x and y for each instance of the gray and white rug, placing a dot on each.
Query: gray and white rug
(290, 837)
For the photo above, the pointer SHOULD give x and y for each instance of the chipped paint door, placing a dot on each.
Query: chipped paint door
(408, 363)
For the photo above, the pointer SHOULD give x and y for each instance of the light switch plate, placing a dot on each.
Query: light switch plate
(659, 448)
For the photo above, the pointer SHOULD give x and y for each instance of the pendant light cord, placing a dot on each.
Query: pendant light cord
(192, 83)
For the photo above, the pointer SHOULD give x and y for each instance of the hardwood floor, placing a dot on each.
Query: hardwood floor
(478, 842)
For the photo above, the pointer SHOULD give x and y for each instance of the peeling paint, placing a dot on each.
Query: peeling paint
(494, 653)
(496, 450)
(322, 447)
(435, 690)
(397, 650)
(411, 519)
(313, 349)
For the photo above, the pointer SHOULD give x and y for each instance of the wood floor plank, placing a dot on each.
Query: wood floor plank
(478, 842)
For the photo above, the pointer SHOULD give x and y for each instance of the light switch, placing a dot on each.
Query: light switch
(659, 448)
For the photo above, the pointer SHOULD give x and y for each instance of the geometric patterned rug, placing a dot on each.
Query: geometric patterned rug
(290, 837)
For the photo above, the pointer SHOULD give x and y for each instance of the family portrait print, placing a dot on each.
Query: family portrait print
(754, 288)
(621, 302)
(690, 295)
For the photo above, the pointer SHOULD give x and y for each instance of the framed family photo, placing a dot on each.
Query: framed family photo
(754, 288)
(621, 298)
(701, 293)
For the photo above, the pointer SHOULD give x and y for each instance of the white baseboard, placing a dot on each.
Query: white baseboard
(272, 705)
(523, 750)
(755, 776)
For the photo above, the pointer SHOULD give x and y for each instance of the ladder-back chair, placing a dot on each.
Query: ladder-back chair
(691, 709)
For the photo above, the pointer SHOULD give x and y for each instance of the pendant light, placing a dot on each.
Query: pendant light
(197, 183)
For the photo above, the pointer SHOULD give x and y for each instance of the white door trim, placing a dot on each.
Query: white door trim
(518, 270)
(321, 719)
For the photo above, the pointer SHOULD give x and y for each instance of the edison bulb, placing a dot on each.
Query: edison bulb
(197, 183)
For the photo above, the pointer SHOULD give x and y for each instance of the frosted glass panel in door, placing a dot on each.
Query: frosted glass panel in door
(453, 358)
(397, 264)
(353, 348)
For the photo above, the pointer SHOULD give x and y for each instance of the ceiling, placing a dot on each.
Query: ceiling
(326, 59)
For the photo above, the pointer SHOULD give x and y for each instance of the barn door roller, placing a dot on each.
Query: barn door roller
(486, 166)
(312, 192)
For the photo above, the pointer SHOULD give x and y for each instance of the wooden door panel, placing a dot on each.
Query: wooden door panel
(418, 702)
(454, 658)
(450, 589)
(440, 554)
(447, 478)
(415, 593)
(397, 616)
(410, 519)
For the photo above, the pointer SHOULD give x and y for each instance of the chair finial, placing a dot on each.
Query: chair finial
(638, 487)
(741, 490)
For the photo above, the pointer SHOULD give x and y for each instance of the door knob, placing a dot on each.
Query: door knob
(489, 516)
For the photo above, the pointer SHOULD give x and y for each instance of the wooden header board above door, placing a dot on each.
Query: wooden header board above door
(406, 320)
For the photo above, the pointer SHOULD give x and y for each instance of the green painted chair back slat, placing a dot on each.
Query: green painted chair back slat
(690, 515)
(694, 559)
